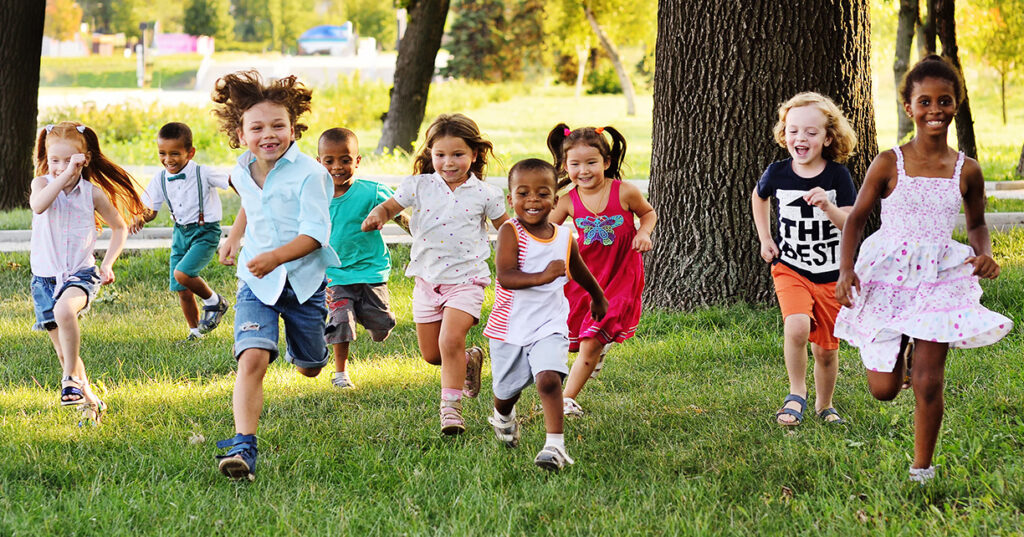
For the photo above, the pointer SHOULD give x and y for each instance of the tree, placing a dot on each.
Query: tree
(478, 41)
(63, 19)
(209, 17)
(721, 70)
(996, 36)
(22, 21)
(945, 28)
(613, 54)
(909, 17)
(413, 70)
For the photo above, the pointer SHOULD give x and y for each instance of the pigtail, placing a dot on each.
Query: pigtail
(42, 164)
(617, 154)
(556, 144)
(118, 184)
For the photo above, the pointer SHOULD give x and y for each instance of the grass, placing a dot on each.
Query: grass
(173, 71)
(678, 439)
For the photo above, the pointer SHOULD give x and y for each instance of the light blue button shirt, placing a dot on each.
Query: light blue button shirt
(294, 201)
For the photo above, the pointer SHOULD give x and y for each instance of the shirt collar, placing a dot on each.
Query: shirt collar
(469, 182)
(189, 169)
(290, 155)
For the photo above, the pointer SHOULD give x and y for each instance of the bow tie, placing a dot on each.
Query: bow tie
(176, 176)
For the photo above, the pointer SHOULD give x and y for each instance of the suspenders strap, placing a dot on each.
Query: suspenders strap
(199, 184)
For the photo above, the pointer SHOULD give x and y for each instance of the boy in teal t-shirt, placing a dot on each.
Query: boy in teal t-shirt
(357, 289)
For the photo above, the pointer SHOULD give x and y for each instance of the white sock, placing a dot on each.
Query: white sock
(212, 301)
(511, 415)
(555, 440)
(195, 332)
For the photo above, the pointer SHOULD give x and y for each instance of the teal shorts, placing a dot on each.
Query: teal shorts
(192, 248)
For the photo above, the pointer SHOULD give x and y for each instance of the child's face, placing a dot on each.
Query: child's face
(340, 158)
(58, 155)
(173, 154)
(806, 134)
(586, 166)
(452, 157)
(532, 195)
(267, 131)
(932, 105)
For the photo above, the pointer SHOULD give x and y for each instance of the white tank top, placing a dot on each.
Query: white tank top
(64, 235)
(524, 316)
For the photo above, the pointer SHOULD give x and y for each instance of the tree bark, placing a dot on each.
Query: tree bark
(908, 19)
(721, 72)
(1020, 164)
(945, 28)
(582, 53)
(20, 44)
(613, 53)
(926, 31)
(413, 70)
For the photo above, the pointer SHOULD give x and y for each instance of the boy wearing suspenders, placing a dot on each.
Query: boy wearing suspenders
(190, 192)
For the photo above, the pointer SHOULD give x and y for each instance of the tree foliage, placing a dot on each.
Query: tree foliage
(63, 18)
(494, 40)
(995, 35)
(208, 17)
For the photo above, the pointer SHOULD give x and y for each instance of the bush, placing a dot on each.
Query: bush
(603, 80)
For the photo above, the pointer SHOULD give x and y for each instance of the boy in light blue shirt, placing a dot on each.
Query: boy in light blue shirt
(357, 289)
(284, 217)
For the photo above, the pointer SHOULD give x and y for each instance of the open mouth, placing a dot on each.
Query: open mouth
(935, 123)
(801, 151)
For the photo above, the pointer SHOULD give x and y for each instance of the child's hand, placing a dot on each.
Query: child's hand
(642, 242)
(373, 222)
(228, 252)
(554, 270)
(769, 250)
(74, 168)
(817, 197)
(263, 264)
(984, 266)
(848, 281)
(106, 275)
(136, 225)
(598, 308)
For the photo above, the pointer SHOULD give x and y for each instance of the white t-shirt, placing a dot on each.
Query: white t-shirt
(184, 194)
(449, 228)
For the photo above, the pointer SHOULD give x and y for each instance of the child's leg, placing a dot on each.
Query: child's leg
(826, 370)
(506, 406)
(795, 331)
(340, 356)
(583, 366)
(187, 300)
(247, 399)
(451, 342)
(195, 284)
(928, 379)
(549, 388)
(65, 313)
(428, 336)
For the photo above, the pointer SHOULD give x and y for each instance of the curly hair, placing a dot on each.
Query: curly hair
(236, 93)
(119, 185)
(458, 126)
(933, 66)
(561, 139)
(844, 139)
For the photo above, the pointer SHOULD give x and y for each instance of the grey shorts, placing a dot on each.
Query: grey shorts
(513, 367)
(368, 304)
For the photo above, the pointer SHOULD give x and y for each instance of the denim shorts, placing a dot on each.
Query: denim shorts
(256, 325)
(45, 297)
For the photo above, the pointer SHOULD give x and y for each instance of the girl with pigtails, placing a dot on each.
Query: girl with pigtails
(76, 191)
(604, 210)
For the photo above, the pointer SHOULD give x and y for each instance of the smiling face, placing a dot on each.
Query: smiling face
(267, 131)
(932, 105)
(532, 195)
(451, 157)
(806, 136)
(340, 158)
(173, 155)
(59, 152)
(586, 166)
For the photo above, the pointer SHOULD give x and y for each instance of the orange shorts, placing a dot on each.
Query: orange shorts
(818, 301)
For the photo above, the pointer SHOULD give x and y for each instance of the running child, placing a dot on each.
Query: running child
(190, 191)
(534, 260)
(917, 291)
(812, 193)
(76, 191)
(357, 289)
(451, 205)
(602, 207)
(284, 217)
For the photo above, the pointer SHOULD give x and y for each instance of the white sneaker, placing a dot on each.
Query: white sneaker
(506, 431)
(340, 380)
(570, 407)
(553, 458)
(922, 475)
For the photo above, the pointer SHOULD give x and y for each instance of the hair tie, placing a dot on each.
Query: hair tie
(80, 129)
(48, 128)
(599, 130)
(567, 131)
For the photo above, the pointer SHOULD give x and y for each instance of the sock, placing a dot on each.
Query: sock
(341, 374)
(212, 301)
(555, 440)
(511, 415)
(195, 332)
(451, 394)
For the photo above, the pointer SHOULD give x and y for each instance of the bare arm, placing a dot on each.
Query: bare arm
(228, 251)
(497, 222)
(579, 272)
(44, 193)
(819, 198)
(876, 184)
(974, 213)
(506, 264)
(266, 262)
(761, 208)
(403, 222)
(633, 200)
(118, 233)
(381, 214)
(562, 210)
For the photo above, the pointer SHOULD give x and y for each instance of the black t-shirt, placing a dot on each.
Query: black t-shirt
(808, 241)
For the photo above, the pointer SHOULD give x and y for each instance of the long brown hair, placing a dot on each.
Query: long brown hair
(237, 92)
(459, 126)
(561, 139)
(116, 183)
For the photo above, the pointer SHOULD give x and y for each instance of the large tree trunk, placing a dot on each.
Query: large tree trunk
(413, 71)
(908, 19)
(945, 27)
(20, 45)
(613, 53)
(926, 31)
(1020, 164)
(721, 71)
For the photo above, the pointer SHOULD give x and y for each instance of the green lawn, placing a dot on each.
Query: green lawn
(174, 71)
(678, 439)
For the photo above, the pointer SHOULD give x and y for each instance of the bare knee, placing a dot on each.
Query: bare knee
(181, 277)
(797, 328)
(826, 358)
(451, 344)
(253, 363)
(548, 383)
(64, 315)
(884, 393)
(309, 371)
(379, 335)
(927, 386)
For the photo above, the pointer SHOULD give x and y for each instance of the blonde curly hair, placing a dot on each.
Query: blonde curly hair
(844, 139)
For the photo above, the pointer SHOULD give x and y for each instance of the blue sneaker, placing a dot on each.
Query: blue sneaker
(240, 460)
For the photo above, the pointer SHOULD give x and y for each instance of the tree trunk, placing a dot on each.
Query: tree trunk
(582, 53)
(1002, 93)
(613, 53)
(1020, 164)
(945, 27)
(413, 70)
(720, 73)
(20, 44)
(926, 31)
(908, 18)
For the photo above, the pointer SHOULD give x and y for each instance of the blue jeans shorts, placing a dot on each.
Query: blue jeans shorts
(45, 298)
(256, 325)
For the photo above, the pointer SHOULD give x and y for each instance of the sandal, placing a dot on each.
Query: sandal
(72, 387)
(474, 366)
(907, 351)
(831, 411)
(570, 407)
(240, 460)
(600, 361)
(212, 315)
(798, 415)
(92, 413)
(451, 418)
